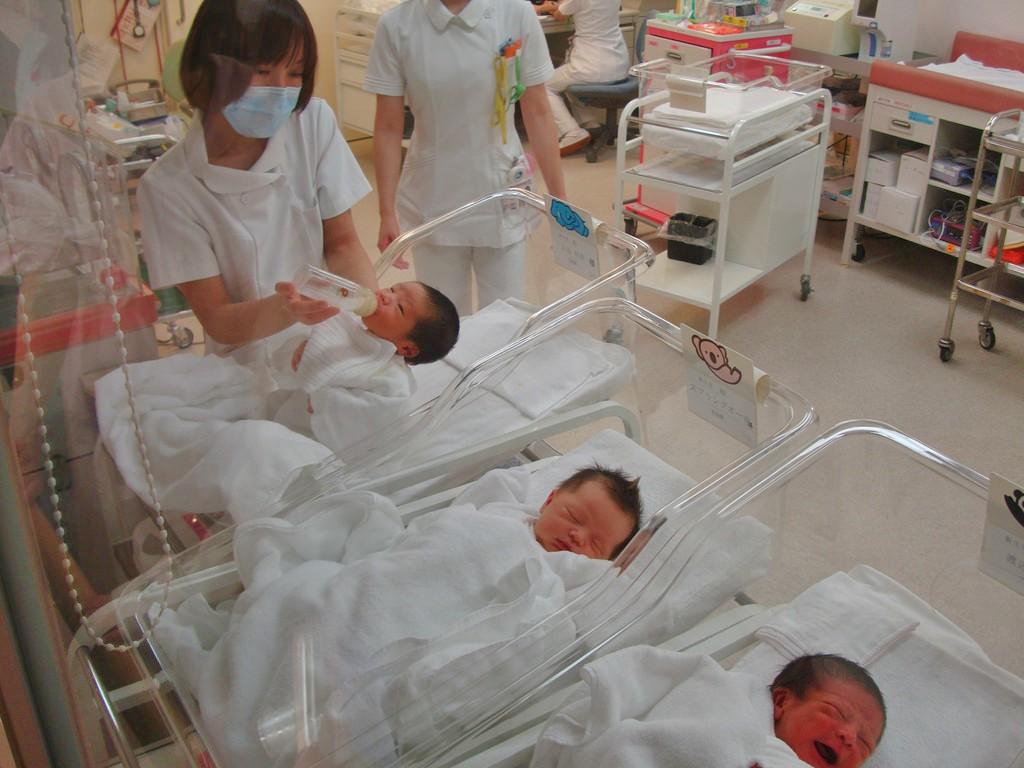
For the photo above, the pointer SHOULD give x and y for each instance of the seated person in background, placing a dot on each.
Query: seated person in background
(598, 54)
(664, 709)
(349, 376)
(386, 608)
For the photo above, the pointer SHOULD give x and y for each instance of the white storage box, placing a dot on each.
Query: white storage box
(883, 167)
(871, 196)
(914, 169)
(897, 209)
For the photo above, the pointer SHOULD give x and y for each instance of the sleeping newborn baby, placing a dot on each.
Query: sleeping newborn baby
(662, 709)
(349, 376)
(372, 616)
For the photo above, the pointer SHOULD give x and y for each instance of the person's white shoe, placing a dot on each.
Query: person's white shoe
(573, 142)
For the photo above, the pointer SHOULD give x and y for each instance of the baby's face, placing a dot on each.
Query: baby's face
(399, 308)
(836, 725)
(585, 521)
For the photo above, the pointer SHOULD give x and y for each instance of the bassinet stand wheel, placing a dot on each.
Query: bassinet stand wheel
(805, 287)
(986, 335)
(946, 349)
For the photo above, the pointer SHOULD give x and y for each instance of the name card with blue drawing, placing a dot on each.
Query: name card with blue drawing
(575, 238)
(722, 386)
(1002, 548)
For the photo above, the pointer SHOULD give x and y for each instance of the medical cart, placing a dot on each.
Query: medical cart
(1004, 135)
(755, 169)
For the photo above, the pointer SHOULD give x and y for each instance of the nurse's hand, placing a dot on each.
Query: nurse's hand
(302, 308)
(389, 230)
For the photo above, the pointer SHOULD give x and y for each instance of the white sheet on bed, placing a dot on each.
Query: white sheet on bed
(970, 69)
(948, 704)
(725, 108)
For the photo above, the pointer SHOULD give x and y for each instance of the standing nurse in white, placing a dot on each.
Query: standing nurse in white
(449, 60)
(262, 184)
(598, 55)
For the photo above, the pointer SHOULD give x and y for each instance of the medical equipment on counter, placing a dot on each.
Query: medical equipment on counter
(824, 25)
(888, 29)
(337, 291)
(689, 43)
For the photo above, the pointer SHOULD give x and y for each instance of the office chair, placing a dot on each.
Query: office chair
(610, 97)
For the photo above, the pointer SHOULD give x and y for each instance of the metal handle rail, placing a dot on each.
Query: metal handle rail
(638, 253)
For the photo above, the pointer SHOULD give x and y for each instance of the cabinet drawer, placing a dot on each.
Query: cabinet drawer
(354, 43)
(357, 22)
(904, 123)
(350, 72)
(356, 108)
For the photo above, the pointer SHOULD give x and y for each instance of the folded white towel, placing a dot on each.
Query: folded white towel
(810, 623)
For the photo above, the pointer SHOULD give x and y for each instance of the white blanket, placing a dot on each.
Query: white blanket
(725, 109)
(659, 709)
(348, 384)
(361, 597)
(948, 704)
(206, 433)
(970, 69)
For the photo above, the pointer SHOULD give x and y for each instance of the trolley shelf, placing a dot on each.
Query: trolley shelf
(1006, 144)
(999, 214)
(694, 283)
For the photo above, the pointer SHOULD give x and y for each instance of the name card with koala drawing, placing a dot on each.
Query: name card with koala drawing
(722, 386)
(1002, 548)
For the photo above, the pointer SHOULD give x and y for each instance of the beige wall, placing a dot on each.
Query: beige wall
(97, 17)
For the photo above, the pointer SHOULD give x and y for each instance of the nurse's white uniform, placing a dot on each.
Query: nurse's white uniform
(254, 228)
(444, 67)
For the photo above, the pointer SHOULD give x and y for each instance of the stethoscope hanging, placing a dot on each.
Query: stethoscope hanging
(107, 282)
(138, 30)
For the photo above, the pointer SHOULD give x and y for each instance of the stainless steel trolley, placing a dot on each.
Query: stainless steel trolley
(1003, 134)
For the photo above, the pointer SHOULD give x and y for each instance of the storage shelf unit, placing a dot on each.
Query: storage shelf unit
(903, 121)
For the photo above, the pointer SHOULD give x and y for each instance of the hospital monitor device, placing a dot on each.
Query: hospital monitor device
(825, 26)
(888, 29)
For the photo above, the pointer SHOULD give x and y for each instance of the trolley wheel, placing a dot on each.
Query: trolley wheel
(182, 337)
(986, 336)
(630, 226)
(946, 348)
(805, 287)
(858, 252)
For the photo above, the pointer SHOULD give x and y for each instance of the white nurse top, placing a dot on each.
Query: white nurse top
(254, 228)
(598, 53)
(444, 67)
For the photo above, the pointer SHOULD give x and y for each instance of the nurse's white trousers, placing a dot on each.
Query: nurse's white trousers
(500, 272)
(565, 123)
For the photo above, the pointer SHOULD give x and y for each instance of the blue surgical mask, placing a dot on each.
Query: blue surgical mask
(261, 111)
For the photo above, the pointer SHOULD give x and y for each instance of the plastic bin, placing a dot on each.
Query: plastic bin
(690, 237)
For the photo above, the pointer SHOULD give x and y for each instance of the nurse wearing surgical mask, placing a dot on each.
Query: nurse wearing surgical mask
(262, 185)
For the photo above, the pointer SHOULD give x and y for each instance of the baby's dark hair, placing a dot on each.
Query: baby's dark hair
(623, 490)
(805, 673)
(437, 331)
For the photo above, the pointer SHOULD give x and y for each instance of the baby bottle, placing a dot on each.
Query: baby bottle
(318, 283)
